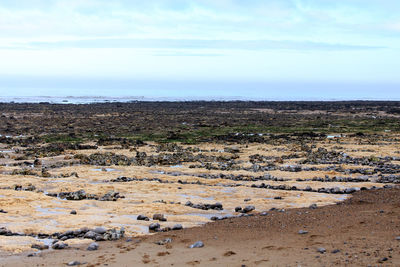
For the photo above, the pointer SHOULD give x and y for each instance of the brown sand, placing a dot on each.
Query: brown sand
(363, 229)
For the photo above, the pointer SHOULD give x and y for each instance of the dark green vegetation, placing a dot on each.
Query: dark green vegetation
(192, 122)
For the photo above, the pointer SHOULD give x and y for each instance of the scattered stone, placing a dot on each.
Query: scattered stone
(264, 213)
(73, 212)
(321, 250)
(198, 244)
(303, 232)
(93, 246)
(335, 251)
(2, 211)
(238, 209)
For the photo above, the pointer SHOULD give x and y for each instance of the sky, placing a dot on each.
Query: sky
(322, 49)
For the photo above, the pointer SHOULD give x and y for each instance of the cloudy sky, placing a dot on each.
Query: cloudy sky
(215, 47)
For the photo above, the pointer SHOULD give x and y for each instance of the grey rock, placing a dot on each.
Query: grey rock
(335, 251)
(165, 241)
(321, 250)
(303, 232)
(198, 244)
(100, 230)
(90, 235)
(93, 246)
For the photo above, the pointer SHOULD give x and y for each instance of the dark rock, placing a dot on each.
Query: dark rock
(248, 209)
(177, 227)
(73, 212)
(159, 217)
(142, 218)
(335, 251)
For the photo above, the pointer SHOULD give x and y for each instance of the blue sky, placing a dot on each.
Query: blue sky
(131, 47)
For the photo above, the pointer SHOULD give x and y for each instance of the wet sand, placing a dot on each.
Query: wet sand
(361, 231)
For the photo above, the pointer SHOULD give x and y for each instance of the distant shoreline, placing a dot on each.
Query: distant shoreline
(130, 99)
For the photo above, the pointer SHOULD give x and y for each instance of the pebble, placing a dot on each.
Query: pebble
(93, 246)
(398, 238)
(321, 250)
(73, 212)
(303, 232)
(73, 263)
(335, 251)
(198, 244)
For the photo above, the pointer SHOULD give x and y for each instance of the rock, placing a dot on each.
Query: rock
(142, 218)
(303, 232)
(238, 209)
(397, 238)
(335, 251)
(59, 245)
(321, 250)
(73, 263)
(264, 213)
(73, 212)
(383, 259)
(177, 227)
(154, 226)
(198, 244)
(93, 246)
(159, 217)
(248, 209)
(313, 206)
(100, 230)
(40, 246)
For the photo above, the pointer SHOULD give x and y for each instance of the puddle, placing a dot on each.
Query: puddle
(157, 172)
(195, 197)
(106, 170)
(176, 166)
(49, 212)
